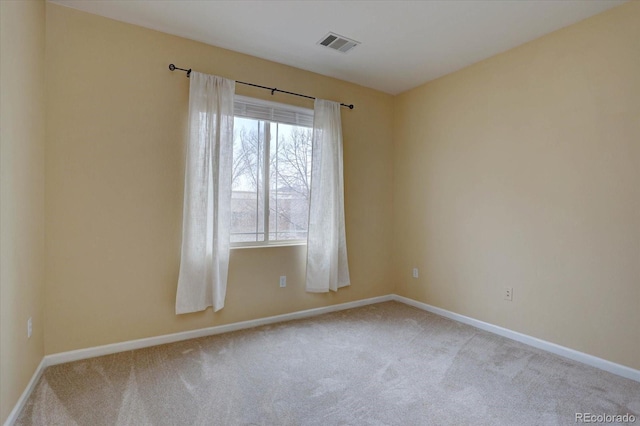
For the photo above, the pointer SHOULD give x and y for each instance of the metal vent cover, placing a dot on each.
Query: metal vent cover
(337, 42)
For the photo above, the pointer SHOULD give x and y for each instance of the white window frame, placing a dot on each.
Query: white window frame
(270, 112)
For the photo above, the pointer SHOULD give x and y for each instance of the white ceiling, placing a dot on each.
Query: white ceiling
(404, 43)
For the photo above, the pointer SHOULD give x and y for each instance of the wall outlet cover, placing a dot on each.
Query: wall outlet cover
(508, 293)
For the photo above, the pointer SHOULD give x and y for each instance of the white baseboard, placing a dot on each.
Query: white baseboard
(79, 354)
(17, 409)
(602, 364)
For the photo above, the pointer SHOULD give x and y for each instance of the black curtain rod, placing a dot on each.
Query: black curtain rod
(273, 89)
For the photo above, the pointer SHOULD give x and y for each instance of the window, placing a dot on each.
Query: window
(271, 172)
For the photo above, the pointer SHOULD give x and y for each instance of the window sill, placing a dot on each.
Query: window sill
(258, 245)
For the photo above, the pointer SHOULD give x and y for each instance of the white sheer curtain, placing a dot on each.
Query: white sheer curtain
(327, 267)
(206, 220)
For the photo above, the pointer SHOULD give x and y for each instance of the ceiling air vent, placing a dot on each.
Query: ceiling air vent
(338, 42)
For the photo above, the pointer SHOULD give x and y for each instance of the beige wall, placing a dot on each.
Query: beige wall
(21, 195)
(524, 171)
(114, 181)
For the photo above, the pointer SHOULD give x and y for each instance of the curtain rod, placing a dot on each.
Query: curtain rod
(273, 89)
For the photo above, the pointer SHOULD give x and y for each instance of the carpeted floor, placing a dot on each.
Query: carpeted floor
(384, 364)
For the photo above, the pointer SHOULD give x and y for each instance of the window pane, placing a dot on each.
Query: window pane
(247, 196)
(289, 178)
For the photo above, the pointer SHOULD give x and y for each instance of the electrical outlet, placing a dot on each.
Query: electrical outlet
(283, 281)
(415, 273)
(508, 293)
(29, 328)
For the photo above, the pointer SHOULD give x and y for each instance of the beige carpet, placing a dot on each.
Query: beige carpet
(385, 364)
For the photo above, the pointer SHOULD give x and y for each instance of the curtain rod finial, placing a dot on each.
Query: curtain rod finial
(172, 67)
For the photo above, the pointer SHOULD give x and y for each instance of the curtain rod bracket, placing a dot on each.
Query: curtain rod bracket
(273, 90)
(173, 68)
